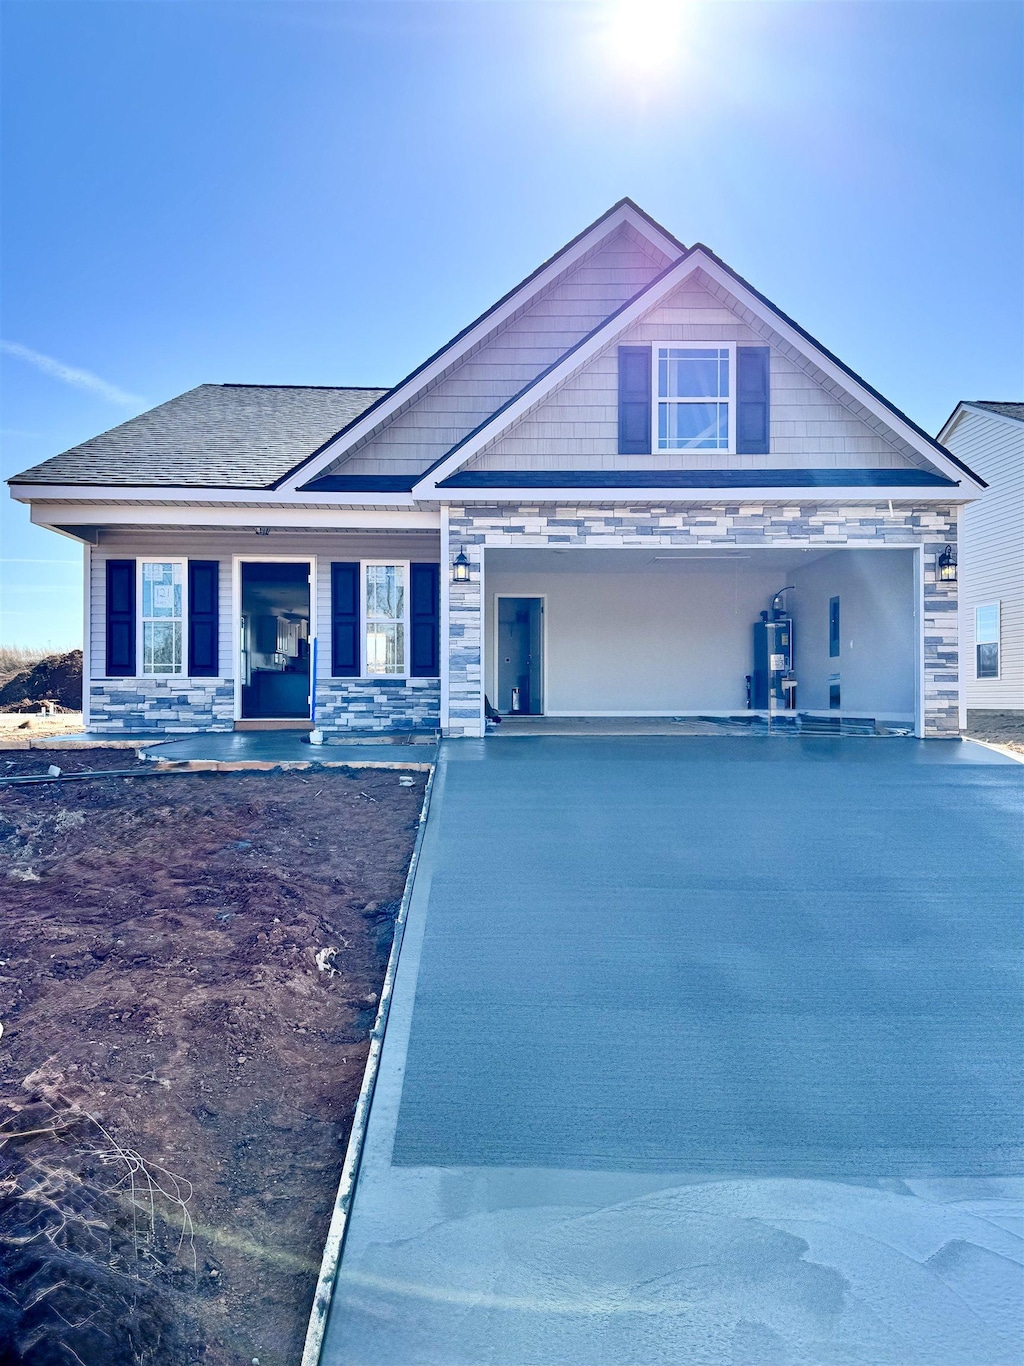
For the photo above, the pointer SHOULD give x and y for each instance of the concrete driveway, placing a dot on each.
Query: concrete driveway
(702, 1051)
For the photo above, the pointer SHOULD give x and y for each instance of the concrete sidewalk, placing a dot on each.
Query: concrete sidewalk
(701, 1051)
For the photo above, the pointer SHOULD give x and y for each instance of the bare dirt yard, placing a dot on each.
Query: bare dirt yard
(177, 1076)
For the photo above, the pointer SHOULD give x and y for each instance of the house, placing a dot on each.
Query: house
(632, 487)
(991, 437)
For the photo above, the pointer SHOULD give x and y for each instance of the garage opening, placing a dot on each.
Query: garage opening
(812, 639)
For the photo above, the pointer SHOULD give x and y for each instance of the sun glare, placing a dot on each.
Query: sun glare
(643, 38)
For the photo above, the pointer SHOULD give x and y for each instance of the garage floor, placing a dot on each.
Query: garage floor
(702, 1051)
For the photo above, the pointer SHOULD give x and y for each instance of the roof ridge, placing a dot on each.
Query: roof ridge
(344, 388)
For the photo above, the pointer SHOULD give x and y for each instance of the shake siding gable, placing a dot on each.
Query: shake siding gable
(576, 427)
(514, 355)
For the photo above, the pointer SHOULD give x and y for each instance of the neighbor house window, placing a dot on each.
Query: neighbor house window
(693, 390)
(161, 619)
(986, 640)
(385, 617)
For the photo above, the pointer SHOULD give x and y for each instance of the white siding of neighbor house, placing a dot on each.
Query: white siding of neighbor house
(515, 353)
(223, 547)
(577, 426)
(991, 567)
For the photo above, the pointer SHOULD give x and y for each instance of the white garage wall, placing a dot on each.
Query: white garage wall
(876, 662)
(660, 642)
(679, 637)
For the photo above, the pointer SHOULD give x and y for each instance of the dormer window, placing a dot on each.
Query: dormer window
(693, 391)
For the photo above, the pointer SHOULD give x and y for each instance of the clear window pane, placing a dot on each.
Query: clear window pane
(693, 426)
(161, 647)
(986, 624)
(693, 373)
(385, 591)
(385, 647)
(161, 589)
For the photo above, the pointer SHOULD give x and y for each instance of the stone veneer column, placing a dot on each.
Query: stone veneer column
(710, 525)
(465, 634)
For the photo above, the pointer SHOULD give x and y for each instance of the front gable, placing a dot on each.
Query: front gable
(825, 421)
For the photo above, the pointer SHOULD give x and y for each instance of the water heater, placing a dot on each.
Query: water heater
(773, 684)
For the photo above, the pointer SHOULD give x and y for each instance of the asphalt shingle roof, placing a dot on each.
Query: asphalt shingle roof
(244, 436)
(1003, 409)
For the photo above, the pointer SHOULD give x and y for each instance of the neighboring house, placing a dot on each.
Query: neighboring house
(580, 506)
(990, 436)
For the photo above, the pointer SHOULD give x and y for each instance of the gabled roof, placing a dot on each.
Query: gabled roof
(1014, 410)
(697, 257)
(1001, 410)
(242, 436)
(624, 212)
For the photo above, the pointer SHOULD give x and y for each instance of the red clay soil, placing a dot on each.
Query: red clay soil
(181, 1073)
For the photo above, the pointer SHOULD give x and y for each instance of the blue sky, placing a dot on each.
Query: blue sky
(323, 193)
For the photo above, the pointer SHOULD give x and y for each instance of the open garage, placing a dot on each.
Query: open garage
(816, 636)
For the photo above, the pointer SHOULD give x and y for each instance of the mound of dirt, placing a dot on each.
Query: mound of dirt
(56, 679)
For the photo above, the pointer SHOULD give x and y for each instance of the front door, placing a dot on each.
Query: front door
(275, 645)
(520, 663)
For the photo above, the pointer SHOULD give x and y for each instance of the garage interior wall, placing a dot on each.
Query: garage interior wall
(675, 635)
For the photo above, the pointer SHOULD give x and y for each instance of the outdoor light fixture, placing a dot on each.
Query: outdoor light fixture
(460, 568)
(947, 565)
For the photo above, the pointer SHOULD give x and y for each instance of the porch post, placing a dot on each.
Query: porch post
(464, 635)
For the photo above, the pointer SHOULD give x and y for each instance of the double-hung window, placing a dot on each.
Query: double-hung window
(693, 389)
(986, 640)
(162, 616)
(385, 618)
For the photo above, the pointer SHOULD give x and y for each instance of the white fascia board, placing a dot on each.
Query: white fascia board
(695, 260)
(419, 379)
(964, 407)
(56, 514)
(803, 495)
(197, 497)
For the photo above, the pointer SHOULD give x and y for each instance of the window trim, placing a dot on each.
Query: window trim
(364, 620)
(998, 642)
(657, 400)
(140, 621)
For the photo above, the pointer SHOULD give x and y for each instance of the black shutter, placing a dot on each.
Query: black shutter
(753, 417)
(345, 620)
(425, 620)
(203, 619)
(120, 618)
(635, 381)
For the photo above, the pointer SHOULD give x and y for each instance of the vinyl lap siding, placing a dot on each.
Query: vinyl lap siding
(992, 553)
(223, 547)
(577, 427)
(501, 365)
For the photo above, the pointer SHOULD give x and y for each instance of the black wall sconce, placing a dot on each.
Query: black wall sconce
(947, 565)
(460, 568)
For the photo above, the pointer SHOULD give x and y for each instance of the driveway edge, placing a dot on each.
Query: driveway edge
(353, 1153)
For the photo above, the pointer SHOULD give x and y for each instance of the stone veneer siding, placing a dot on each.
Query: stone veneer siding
(531, 526)
(184, 705)
(161, 704)
(384, 704)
